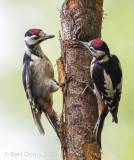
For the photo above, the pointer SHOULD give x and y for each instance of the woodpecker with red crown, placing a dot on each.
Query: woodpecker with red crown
(38, 79)
(106, 74)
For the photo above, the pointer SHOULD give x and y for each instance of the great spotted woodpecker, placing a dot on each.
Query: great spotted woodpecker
(38, 79)
(106, 74)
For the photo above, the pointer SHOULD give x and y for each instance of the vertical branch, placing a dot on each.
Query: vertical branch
(80, 20)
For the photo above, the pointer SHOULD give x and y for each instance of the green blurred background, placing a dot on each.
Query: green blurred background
(19, 137)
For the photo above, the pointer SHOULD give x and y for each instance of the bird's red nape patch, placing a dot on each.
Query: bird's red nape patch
(97, 42)
(34, 31)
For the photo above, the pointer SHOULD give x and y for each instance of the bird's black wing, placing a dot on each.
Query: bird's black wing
(34, 106)
(117, 83)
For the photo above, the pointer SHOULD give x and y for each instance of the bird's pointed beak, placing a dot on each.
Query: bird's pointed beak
(86, 44)
(47, 36)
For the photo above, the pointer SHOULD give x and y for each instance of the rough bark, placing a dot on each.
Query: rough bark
(80, 20)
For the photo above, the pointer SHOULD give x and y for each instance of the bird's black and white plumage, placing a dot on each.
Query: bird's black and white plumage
(106, 74)
(38, 79)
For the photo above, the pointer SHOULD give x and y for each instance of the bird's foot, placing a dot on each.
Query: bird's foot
(65, 83)
(87, 87)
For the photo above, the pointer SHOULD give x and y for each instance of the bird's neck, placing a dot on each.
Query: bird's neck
(35, 52)
(104, 59)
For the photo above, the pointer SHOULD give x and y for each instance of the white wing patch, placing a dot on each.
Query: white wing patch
(108, 90)
(108, 85)
(119, 86)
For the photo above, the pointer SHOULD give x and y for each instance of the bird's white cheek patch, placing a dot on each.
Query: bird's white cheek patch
(30, 41)
(105, 59)
(99, 53)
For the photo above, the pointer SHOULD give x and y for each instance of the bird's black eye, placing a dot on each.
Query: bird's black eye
(36, 37)
(91, 49)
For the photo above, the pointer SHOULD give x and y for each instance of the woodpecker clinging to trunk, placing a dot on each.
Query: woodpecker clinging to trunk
(106, 74)
(38, 79)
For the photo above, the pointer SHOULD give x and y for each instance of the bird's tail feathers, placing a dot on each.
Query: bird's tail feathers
(54, 121)
(37, 120)
(114, 117)
(99, 126)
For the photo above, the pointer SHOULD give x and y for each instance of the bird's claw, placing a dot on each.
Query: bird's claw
(87, 87)
(65, 83)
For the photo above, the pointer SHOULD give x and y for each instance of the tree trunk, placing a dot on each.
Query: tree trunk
(80, 20)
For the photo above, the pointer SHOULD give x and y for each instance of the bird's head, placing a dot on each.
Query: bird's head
(34, 37)
(97, 48)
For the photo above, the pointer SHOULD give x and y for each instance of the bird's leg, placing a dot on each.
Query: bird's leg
(87, 87)
(65, 83)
